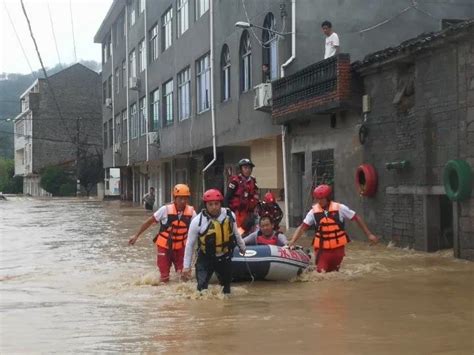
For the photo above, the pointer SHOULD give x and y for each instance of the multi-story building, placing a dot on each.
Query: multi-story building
(55, 124)
(171, 68)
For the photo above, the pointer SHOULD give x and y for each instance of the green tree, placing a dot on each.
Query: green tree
(8, 182)
(90, 172)
(53, 179)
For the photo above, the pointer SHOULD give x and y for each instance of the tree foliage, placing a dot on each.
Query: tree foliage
(8, 182)
(57, 181)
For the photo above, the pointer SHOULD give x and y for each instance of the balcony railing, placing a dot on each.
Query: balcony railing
(321, 87)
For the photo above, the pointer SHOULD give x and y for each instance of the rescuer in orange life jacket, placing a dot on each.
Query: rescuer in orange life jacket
(242, 195)
(170, 241)
(269, 207)
(330, 237)
(266, 234)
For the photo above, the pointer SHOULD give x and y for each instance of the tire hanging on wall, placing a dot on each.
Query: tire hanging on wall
(457, 180)
(366, 180)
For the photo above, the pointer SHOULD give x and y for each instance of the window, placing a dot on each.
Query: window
(105, 136)
(203, 80)
(109, 87)
(141, 5)
(132, 69)
(182, 13)
(168, 103)
(117, 80)
(270, 50)
(104, 91)
(201, 7)
(124, 73)
(184, 94)
(111, 133)
(132, 13)
(142, 115)
(124, 126)
(167, 29)
(245, 62)
(155, 110)
(141, 56)
(106, 48)
(225, 73)
(117, 128)
(154, 50)
(133, 121)
(120, 30)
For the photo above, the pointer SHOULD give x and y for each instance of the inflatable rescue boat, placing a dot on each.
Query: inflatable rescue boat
(268, 262)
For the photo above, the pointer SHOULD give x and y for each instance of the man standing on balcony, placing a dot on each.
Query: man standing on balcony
(332, 40)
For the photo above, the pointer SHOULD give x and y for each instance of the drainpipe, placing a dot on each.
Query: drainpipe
(213, 114)
(283, 128)
(146, 113)
(112, 96)
(128, 83)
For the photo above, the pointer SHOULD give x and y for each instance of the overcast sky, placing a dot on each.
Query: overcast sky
(87, 15)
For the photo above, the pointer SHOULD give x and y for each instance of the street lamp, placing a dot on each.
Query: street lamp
(243, 24)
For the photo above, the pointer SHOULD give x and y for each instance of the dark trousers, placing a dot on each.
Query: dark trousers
(148, 206)
(206, 266)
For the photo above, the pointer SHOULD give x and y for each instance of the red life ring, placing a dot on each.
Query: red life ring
(366, 180)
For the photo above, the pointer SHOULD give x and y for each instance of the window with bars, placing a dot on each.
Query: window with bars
(132, 70)
(142, 115)
(203, 80)
(167, 29)
(141, 56)
(124, 126)
(133, 121)
(153, 43)
(155, 110)
(202, 6)
(182, 14)
(168, 103)
(245, 62)
(184, 94)
(322, 167)
(225, 73)
(118, 118)
(124, 73)
(117, 80)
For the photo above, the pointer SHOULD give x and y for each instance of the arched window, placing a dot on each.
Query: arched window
(225, 73)
(245, 62)
(270, 50)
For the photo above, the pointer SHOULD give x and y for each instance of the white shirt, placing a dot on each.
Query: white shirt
(195, 230)
(331, 44)
(161, 216)
(344, 213)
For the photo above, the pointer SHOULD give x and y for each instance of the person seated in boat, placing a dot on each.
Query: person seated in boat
(266, 235)
(269, 207)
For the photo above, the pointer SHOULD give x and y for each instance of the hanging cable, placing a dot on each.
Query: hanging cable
(54, 35)
(19, 41)
(72, 28)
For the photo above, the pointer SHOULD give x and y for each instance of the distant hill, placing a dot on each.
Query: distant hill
(11, 87)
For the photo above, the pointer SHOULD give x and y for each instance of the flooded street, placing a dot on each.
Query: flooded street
(70, 283)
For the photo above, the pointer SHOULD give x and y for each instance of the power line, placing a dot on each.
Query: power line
(54, 35)
(18, 39)
(72, 27)
(47, 139)
(50, 87)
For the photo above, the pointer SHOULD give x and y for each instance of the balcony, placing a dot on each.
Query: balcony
(323, 87)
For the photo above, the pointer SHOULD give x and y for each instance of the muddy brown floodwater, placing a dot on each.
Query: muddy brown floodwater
(69, 283)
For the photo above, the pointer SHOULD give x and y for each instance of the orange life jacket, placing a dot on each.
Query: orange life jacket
(174, 233)
(329, 228)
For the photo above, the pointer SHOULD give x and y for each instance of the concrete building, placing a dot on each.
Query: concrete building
(418, 114)
(163, 82)
(51, 128)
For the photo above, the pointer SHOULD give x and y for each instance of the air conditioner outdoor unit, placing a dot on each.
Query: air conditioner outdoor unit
(117, 147)
(263, 97)
(108, 102)
(154, 138)
(134, 83)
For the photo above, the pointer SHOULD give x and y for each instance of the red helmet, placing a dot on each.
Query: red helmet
(269, 198)
(322, 191)
(212, 195)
